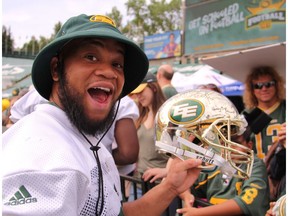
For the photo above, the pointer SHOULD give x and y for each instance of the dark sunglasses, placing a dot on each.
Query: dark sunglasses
(266, 84)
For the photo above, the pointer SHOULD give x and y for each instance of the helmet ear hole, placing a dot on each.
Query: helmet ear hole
(196, 141)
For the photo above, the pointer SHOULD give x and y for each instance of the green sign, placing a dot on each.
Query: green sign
(191, 2)
(234, 24)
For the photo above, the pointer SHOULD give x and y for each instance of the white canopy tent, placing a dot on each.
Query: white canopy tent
(238, 64)
(184, 79)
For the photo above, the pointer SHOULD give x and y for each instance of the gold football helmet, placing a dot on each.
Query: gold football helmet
(200, 124)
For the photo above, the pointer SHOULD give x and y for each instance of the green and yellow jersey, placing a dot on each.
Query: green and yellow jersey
(269, 135)
(252, 195)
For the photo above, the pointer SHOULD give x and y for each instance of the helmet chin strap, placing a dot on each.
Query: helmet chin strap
(206, 155)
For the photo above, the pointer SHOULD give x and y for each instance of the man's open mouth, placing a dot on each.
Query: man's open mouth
(100, 94)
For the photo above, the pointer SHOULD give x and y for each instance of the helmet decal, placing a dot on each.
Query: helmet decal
(186, 111)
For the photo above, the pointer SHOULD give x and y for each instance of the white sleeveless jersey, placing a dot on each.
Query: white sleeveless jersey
(49, 169)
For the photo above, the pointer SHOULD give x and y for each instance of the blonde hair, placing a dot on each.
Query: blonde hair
(249, 99)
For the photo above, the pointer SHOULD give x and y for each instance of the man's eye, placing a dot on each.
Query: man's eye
(91, 57)
(118, 65)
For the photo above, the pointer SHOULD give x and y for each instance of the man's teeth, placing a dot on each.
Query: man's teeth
(104, 89)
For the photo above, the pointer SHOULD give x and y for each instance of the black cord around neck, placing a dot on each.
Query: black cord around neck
(100, 172)
(95, 149)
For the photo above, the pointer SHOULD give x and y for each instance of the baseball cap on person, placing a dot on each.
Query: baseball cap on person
(94, 26)
(148, 79)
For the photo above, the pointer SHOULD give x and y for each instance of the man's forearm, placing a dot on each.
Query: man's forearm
(153, 203)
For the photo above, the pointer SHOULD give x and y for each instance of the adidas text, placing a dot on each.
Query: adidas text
(21, 201)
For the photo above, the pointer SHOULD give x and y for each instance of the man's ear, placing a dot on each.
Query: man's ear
(54, 68)
(157, 75)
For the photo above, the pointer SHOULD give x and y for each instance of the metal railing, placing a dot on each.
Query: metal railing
(140, 185)
(19, 54)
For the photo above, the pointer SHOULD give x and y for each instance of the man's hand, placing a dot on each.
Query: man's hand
(182, 174)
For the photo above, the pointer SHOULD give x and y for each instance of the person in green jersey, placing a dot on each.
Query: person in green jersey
(264, 88)
(230, 195)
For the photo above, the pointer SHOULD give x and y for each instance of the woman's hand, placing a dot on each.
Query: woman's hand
(154, 173)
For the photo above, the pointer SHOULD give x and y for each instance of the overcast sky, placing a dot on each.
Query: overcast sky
(38, 17)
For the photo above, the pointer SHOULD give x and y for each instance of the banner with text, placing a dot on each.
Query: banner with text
(233, 24)
(163, 45)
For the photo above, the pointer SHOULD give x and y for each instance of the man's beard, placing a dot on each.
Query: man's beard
(75, 111)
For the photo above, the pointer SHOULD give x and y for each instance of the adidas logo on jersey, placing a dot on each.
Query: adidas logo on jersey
(22, 196)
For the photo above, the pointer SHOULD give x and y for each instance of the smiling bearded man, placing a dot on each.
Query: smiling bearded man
(72, 99)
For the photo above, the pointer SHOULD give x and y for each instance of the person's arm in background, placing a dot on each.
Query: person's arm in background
(187, 198)
(270, 210)
(125, 147)
(181, 176)
(127, 142)
(230, 207)
(153, 174)
(282, 135)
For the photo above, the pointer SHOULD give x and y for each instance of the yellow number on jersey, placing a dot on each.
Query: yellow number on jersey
(269, 132)
(250, 195)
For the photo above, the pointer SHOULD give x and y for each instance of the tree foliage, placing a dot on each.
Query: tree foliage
(136, 28)
(165, 16)
(116, 16)
(7, 40)
(31, 47)
(146, 19)
(57, 28)
(157, 17)
(143, 19)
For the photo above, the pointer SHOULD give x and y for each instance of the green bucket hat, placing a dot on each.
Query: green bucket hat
(136, 63)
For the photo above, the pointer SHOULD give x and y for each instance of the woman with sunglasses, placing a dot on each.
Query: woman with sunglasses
(265, 89)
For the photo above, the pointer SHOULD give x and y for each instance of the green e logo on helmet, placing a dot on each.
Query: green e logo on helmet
(186, 111)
